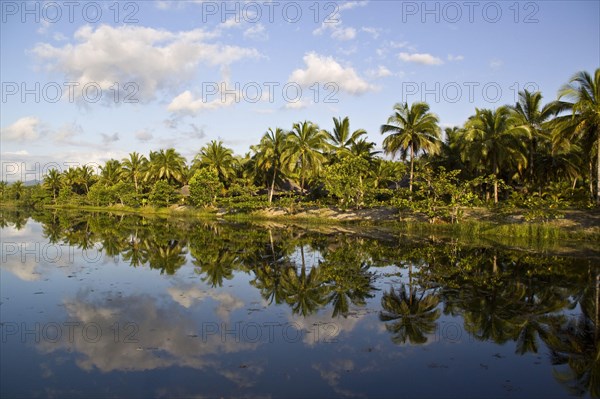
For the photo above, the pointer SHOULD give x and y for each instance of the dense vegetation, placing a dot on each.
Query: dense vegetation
(531, 155)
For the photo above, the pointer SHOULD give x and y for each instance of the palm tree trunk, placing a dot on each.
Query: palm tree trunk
(591, 180)
(496, 184)
(272, 185)
(412, 156)
(598, 169)
(135, 183)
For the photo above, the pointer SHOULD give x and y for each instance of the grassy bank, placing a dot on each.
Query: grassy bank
(580, 225)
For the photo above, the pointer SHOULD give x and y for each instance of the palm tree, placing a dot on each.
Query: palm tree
(70, 178)
(17, 189)
(492, 140)
(134, 168)
(270, 154)
(341, 138)
(306, 143)
(582, 95)
(111, 172)
(411, 317)
(166, 164)
(3, 187)
(217, 157)
(364, 149)
(531, 115)
(305, 293)
(53, 182)
(412, 129)
(85, 175)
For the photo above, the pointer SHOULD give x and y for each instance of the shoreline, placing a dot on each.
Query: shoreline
(576, 224)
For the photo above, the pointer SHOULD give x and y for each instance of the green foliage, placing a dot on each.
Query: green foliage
(204, 187)
(163, 194)
(347, 180)
(241, 187)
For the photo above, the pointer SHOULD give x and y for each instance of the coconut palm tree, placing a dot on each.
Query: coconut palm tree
(53, 182)
(3, 188)
(217, 157)
(581, 96)
(341, 138)
(166, 165)
(111, 172)
(411, 129)
(85, 177)
(17, 189)
(134, 168)
(492, 140)
(269, 155)
(364, 149)
(531, 115)
(411, 317)
(305, 293)
(306, 144)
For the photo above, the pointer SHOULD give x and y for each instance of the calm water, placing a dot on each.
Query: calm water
(107, 306)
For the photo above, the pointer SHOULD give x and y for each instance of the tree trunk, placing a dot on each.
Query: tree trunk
(591, 180)
(598, 170)
(412, 155)
(272, 185)
(496, 185)
(135, 183)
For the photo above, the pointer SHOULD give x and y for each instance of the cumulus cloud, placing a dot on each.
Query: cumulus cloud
(256, 32)
(187, 104)
(452, 57)
(163, 337)
(323, 69)
(27, 128)
(153, 59)
(351, 4)
(109, 138)
(300, 104)
(143, 136)
(420, 58)
(380, 72)
(374, 32)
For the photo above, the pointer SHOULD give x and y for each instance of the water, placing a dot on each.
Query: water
(105, 305)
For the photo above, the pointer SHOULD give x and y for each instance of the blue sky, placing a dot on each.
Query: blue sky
(152, 71)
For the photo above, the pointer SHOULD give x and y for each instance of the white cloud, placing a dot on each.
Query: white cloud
(322, 69)
(420, 58)
(351, 4)
(300, 104)
(380, 72)
(109, 138)
(452, 57)
(344, 34)
(27, 128)
(374, 32)
(256, 32)
(153, 59)
(496, 63)
(186, 103)
(67, 131)
(143, 136)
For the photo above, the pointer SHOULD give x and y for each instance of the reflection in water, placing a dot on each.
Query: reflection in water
(334, 289)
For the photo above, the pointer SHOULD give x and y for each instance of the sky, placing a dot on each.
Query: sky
(84, 82)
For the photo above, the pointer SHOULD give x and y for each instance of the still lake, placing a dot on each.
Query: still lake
(104, 305)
